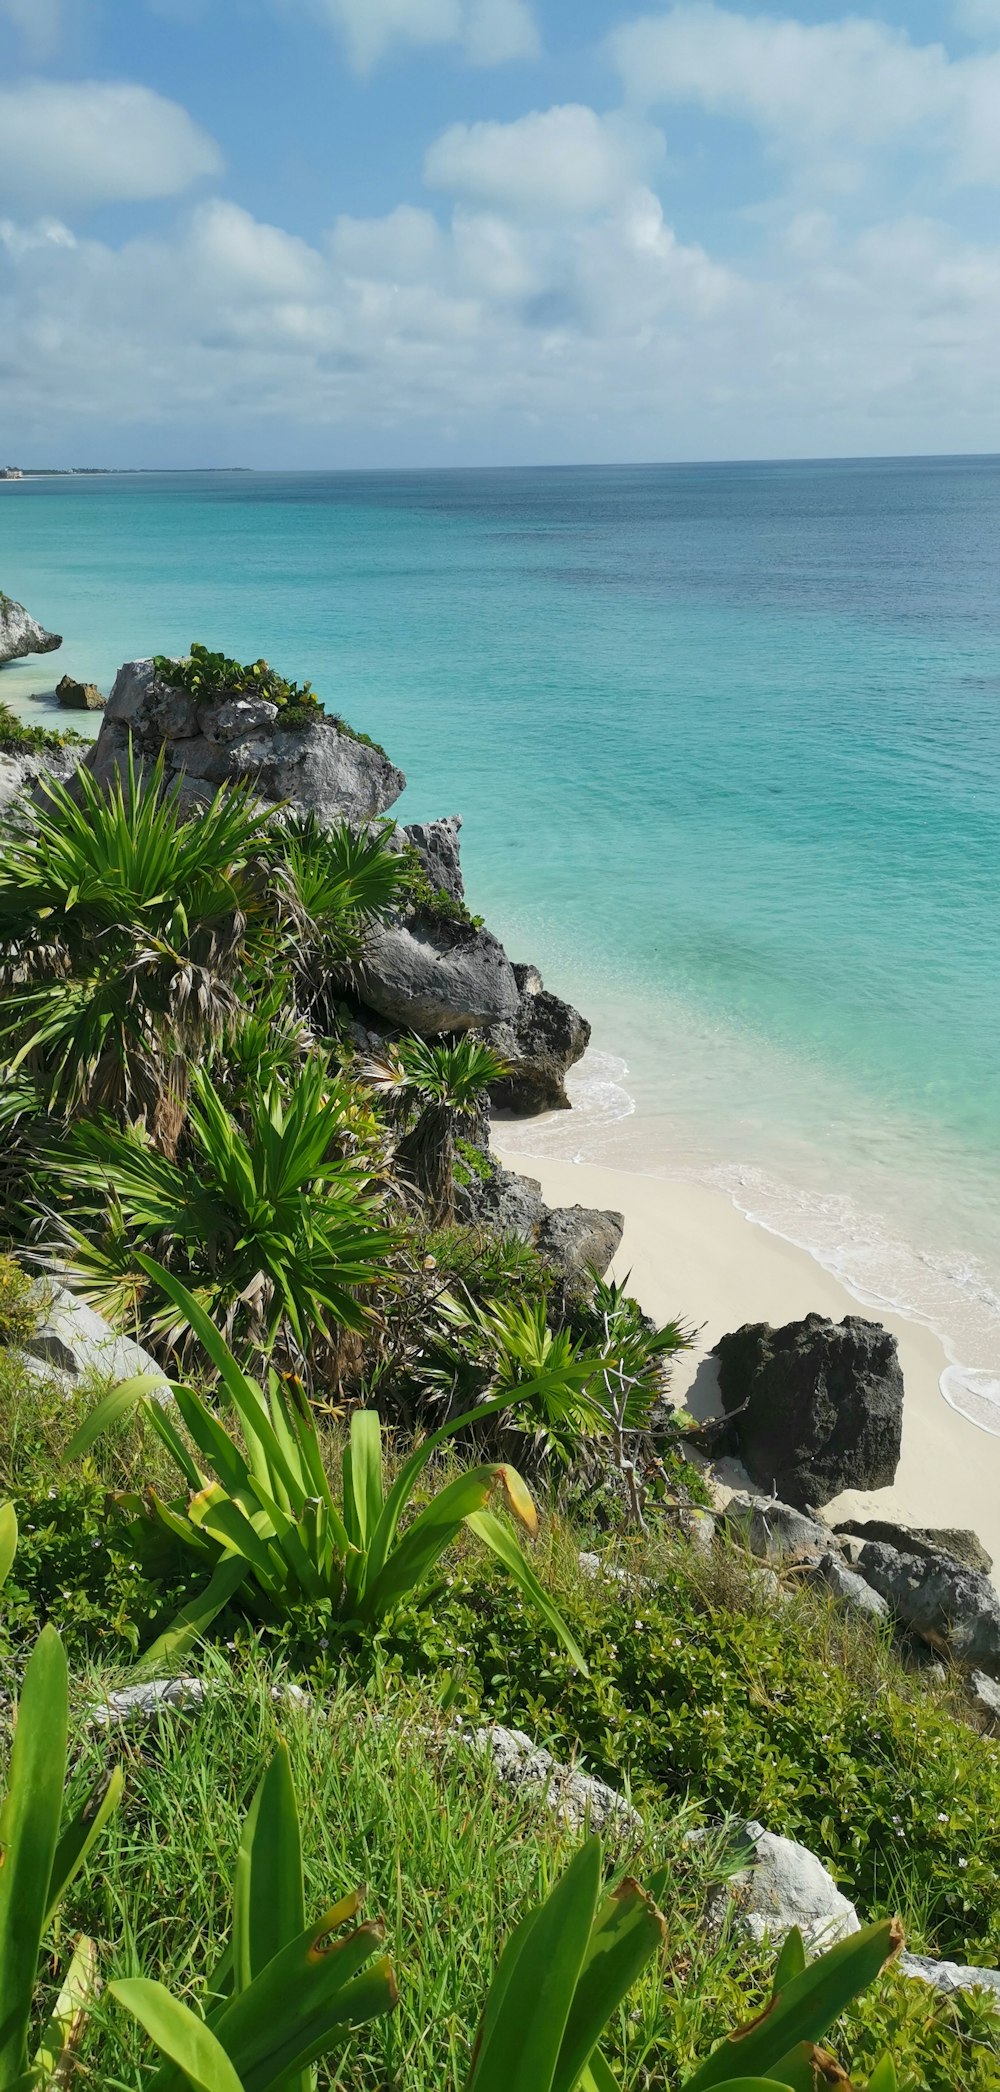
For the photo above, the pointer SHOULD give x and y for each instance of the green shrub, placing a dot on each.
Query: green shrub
(699, 1686)
(214, 678)
(18, 1313)
(16, 738)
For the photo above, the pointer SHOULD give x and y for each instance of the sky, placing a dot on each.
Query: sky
(380, 233)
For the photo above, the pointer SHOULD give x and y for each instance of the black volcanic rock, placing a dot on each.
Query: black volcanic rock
(818, 1405)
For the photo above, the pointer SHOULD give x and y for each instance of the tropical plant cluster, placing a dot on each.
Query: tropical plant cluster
(386, 1440)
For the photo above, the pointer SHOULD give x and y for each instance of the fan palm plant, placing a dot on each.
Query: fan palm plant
(274, 1226)
(434, 1084)
(124, 930)
(339, 881)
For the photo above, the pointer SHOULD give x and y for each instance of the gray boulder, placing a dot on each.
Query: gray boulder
(438, 847)
(143, 1703)
(70, 1339)
(432, 976)
(853, 1593)
(502, 1202)
(79, 697)
(818, 1405)
(576, 1798)
(958, 1543)
(985, 1696)
(773, 1530)
(21, 634)
(320, 769)
(955, 1610)
(21, 776)
(948, 1976)
(577, 1241)
(777, 1884)
(542, 1040)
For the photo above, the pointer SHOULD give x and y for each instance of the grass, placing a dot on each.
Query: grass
(391, 1795)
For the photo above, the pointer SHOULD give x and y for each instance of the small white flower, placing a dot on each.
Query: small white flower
(942, 1818)
(963, 1863)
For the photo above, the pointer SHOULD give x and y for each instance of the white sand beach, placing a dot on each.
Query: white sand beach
(692, 1255)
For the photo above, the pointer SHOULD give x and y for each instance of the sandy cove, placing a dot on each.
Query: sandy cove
(691, 1254)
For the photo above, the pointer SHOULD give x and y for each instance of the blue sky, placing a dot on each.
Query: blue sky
(379, 232)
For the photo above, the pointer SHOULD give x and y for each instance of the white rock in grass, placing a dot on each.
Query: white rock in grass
(71, 1340)
(781, 1884)
(142, 1703)
(948, 1976)
(575, 1797)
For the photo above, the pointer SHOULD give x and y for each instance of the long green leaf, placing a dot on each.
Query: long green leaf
(883, 2077)
(80, 1836)
(194, 1619)
(268, 1897)
(8, 1539)
(308, 1993)
(413, 1557)
(627, 1932)
(496, 1537)
(806, 2008)
(598, 2075)
(118, 1403)
(363, 1491)
(67, 2018)
(525, 2022)
(29, 1833)
(178, 2033)
(791, 1960)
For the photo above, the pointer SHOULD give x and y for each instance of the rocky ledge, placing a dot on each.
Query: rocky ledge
(21, 634)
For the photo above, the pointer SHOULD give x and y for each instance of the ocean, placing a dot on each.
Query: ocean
(726, 743)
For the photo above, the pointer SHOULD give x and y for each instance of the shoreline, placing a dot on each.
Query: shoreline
(693, 1255)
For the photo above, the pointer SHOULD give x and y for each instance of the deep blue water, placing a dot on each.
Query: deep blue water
(727, 744)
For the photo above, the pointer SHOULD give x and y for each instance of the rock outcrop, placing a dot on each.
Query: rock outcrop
(853, 1594)
(574, 1240)
(431, 975)
(772, 1530)
(542, 1040)
(21, 634)
(21, 775)
(438, 847)
(574, 1797)
(957, 1543)
(79, 697)
(318, 768)
(955, 1610)
(818, 1405)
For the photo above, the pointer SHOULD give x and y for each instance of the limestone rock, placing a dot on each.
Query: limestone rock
(955, 1610)
(21, 634)
(543, 1039)
(985, 1695)
(575, 1797)
(773, 1530)
(948, 1976)
(71, 1339)
(780, 1884)
(577, 1241)
(438, 847)
(502, 1202)
(319, 769)
(818, 1405)
(854, 1594)
(432, 976)
(958, 1543)
(145, 1702)
(21, 776)
(79, 697)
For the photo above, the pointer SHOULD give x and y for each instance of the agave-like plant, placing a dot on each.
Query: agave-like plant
(571, 1962)
(273, 1225)
(339, 881)
(556, 1380)
(267, 1521)
(287, 1992)
(124, 928)
(438, 1081)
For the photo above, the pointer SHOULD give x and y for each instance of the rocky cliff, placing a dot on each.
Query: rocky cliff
(21, 634)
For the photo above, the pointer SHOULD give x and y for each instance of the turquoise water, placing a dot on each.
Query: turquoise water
(727, 745)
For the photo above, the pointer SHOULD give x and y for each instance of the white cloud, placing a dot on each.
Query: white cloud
(489, 32)
(566, 161)
(66, 146)
(830, 93)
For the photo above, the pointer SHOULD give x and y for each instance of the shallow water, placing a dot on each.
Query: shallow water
(727, 745)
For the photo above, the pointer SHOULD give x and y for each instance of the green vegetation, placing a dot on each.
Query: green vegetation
(359, 1386)
(434, 903)
(212, 678)
(16, 738)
